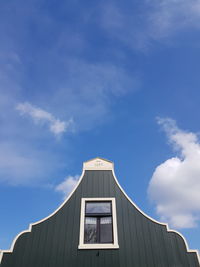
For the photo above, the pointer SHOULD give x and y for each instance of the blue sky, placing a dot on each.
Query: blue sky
(80, 79)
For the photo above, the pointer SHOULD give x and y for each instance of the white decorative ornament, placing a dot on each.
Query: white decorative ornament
(98, 164)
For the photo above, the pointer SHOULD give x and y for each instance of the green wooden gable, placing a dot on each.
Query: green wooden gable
(142, 241)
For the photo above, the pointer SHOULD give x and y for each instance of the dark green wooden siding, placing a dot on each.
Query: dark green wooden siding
(142, 242)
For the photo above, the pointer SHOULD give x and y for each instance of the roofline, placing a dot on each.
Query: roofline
(65, 201)
(98, 158)
(160, 223)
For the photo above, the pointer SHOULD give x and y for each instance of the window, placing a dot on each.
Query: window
(98, 226)
(98, 222)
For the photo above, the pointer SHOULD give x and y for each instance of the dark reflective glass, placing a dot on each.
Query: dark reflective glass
(90, 231)
(106, 233)
(98, 207)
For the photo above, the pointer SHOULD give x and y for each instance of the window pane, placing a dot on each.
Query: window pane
(98, 207)
(106, 233)
(90, 231)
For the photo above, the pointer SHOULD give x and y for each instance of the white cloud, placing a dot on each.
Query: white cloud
(168, 16)
(89, 90)
(15, 167)
(77, 87)
(67, 185)
(39, 115)
(23, 164)
(175, 184)
(149, 20)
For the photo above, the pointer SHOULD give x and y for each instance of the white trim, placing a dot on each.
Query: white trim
(114, 245)
(98, 164)
(83, 172)
(44, 219)
(165, 224)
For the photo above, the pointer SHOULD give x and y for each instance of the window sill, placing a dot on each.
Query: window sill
(98, 246)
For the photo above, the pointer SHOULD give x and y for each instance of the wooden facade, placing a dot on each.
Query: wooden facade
(143, 242)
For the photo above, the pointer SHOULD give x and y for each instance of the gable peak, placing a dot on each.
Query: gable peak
(98, 164)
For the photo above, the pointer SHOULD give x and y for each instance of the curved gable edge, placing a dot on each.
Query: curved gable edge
(155, 221)
(80, 179)
(40, 221)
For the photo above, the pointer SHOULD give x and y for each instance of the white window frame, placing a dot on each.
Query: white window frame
(113, 245)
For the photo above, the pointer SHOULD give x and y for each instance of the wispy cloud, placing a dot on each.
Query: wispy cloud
(167, 17)
(17, 168)
(39, 115)
(24, 164)
(148, 21)
(175, 184)
(78, 86)
(89, 91)
(67, 185)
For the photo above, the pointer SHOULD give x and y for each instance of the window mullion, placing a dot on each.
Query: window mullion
(98, 229)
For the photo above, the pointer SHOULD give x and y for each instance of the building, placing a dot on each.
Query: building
(98, 225)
